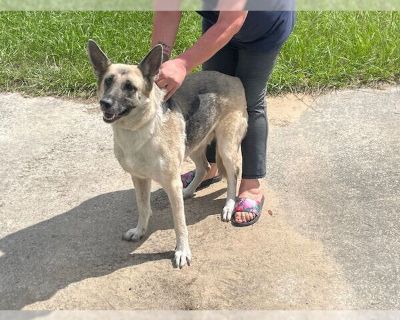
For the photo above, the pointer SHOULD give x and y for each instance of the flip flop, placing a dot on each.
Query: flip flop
(250, 206)
(188, 177)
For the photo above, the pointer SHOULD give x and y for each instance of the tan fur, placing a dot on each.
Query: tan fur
(149, 143)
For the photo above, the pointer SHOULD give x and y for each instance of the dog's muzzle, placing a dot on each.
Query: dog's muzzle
(109, 115)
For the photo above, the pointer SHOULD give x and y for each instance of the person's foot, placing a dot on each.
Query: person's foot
(212, 172)
(212, 176)
(249, 189)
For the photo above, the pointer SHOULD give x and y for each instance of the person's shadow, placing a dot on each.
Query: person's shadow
(84, 242)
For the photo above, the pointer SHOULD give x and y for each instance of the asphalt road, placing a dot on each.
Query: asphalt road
(329, 237)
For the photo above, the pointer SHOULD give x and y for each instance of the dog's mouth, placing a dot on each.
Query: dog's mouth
(112, 117)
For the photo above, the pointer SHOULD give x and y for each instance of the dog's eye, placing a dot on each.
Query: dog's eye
(108, 81)
(128, 86)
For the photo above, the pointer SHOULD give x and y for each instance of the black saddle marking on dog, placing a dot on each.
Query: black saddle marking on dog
(200, 118)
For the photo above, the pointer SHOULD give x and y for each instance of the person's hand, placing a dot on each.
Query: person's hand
(170, 77)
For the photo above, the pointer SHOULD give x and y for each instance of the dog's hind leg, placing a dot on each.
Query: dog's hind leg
(142, 190)
(173, 188)
(229, 137)
(231, 171)
(201, 163)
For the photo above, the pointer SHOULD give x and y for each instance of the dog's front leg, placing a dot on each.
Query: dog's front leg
(142, 190)
(182, 251)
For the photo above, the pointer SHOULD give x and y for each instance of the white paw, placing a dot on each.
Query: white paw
(182, 257)
(228, 210)
(134, 234)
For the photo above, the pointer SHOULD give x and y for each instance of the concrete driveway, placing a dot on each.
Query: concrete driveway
(329, 237)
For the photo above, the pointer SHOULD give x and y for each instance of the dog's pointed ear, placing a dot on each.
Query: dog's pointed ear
(152, 62)
(98, 58)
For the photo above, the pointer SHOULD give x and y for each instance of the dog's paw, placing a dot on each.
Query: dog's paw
(134, 234)
(182, 257)
(227, 211)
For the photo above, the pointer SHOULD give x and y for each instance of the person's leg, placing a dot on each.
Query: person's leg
(254, 69)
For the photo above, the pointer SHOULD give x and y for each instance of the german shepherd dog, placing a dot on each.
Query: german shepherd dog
(152, 137)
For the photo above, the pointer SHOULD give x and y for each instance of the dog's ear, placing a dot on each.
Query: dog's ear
(152, 62)
(98, 59)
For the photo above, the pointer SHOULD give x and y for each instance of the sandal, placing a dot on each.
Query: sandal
(250, 206)
(188, 177)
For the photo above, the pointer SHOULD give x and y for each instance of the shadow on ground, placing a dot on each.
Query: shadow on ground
(83, 242)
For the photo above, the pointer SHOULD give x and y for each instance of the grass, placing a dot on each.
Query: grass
(43, 53)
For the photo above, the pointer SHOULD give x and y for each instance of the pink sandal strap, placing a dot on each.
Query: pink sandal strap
(249, 205)
(187, 178)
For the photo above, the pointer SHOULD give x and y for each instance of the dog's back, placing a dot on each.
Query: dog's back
(203, 99)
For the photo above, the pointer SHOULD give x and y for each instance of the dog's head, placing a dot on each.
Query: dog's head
(124, 90)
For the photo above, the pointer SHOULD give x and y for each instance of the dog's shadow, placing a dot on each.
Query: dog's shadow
(84, 242)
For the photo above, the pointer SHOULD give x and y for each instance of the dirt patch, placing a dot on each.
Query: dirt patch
(287, 109)
(267, 266)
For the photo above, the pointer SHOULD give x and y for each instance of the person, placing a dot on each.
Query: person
(240, 43)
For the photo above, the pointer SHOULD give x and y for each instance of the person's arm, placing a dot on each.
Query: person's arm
(229, 23)
(165, 28)
(173, 72)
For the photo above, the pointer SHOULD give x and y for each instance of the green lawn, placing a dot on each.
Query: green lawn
(43, 53)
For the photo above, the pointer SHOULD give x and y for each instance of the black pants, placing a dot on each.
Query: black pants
(253, 68)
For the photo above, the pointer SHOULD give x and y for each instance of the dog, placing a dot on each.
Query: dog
(152, 137)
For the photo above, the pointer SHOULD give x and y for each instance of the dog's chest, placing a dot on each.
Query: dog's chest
(136, 154)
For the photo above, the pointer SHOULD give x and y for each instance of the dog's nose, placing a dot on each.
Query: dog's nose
(105, 104)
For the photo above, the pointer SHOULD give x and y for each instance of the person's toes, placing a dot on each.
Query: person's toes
(241, 217)
(238, 217)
